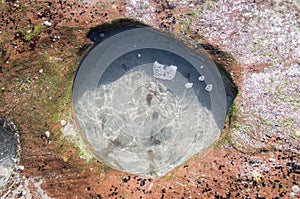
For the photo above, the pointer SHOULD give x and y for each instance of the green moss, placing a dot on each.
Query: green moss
(27, 37)
(32, 34)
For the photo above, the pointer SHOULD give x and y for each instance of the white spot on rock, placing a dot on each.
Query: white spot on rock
(295, 188)
(47, 134)
(20, 168)
(63, 122)
(47, 23)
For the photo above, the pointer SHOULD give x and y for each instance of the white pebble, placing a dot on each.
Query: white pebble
(295, 188)
(188, 85)
(201, 66)
(47, 134)
(209, 87)
(201, 78)
(292, 194)
(41, 71)
(63, 122)
(139, 55)
(20, 168)
(47, 23)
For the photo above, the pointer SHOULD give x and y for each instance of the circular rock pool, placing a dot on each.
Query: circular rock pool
(145, 103)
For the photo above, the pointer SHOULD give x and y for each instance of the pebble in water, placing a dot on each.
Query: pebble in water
(209, 87)
(161, 71)
(188, 85)
(201, 78)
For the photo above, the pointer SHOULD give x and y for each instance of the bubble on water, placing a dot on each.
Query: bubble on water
(188, 85)
(201, 78)
(209, 87)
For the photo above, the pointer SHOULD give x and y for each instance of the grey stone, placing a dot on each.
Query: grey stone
(8, 147)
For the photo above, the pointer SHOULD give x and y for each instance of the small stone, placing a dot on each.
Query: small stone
(63, 122)
(201, 66)
(47, 23)
(102, 35)
(7, 62)
(201, 78)
(47, 134)
(295, 188)
(170, 5)
(188, 85)
(209, 87)
(41, 71)
(20, 168)
(292, 194)
(139, 55)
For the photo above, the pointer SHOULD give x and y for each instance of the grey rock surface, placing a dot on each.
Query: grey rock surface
(8, 147)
